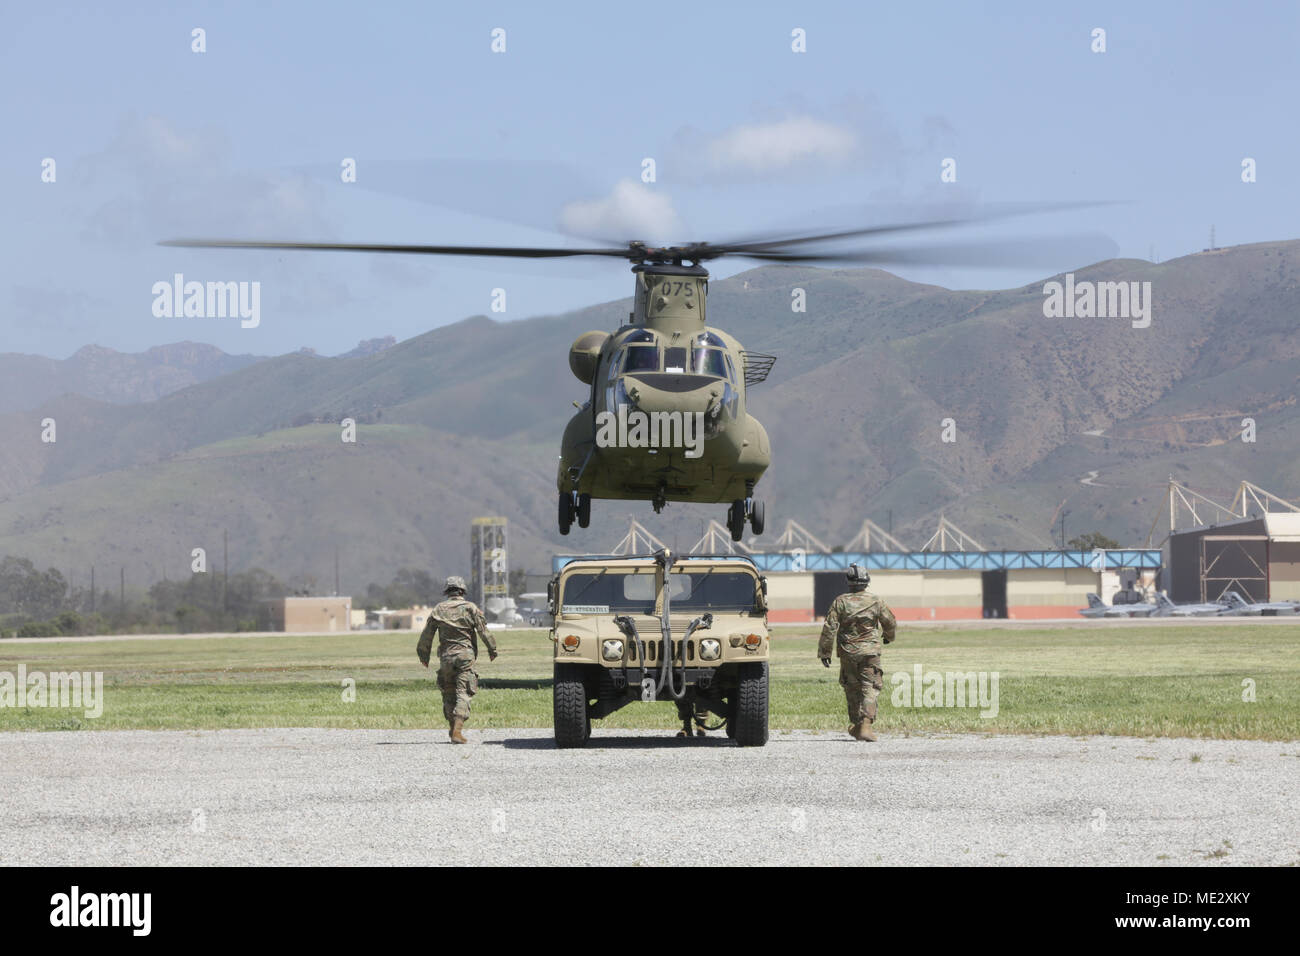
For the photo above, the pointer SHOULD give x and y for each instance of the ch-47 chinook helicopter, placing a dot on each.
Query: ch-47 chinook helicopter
(666, 418)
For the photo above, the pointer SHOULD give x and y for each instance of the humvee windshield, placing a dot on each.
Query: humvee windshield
(622, 592)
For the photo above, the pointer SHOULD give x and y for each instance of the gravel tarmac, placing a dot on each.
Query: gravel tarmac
(310, 796)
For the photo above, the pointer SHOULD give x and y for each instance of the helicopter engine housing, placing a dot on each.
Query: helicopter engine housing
(584, 355)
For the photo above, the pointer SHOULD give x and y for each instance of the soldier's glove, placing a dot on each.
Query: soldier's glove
(492, 655)
(826, 662)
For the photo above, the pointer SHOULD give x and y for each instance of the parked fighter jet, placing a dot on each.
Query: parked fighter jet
(1099, 608)
(1167, 608)
(1240, 607)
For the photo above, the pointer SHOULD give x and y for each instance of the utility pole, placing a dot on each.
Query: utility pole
(92, 589)
(336, 570)
(225, 569)
(121, 590)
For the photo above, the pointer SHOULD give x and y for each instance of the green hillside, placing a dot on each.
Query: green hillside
(466, 420)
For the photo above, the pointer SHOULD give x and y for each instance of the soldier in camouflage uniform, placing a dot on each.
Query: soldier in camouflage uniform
(856, 624)
(459, 624)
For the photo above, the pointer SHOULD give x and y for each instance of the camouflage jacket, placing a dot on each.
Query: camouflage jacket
(856, 624)
(460, 625)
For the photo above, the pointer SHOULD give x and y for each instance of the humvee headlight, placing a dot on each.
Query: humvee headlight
(710, 649)
(612, 650)
(571, 642)
(735, 640)
(753, 642)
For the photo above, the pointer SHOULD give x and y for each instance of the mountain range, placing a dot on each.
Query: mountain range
(159, 453)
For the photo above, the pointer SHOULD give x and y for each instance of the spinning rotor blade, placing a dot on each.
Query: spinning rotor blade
(942, 217)
(512, 252)
(992, 253)
(1008, 253)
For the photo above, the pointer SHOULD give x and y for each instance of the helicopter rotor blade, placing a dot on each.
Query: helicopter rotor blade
(941, 217)
(1019, 253)
(512, 252)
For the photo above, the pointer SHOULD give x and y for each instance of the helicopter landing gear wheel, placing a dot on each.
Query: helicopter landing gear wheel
(736, 519)
(584, 510)
(567, 509)
(757, 517)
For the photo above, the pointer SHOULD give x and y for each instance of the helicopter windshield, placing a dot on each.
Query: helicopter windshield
(642, 358)
(710, 362)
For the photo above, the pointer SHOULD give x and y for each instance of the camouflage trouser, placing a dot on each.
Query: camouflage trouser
(862, 680)
(458, 683)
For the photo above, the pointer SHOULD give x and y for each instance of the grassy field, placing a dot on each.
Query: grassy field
(1165, 681)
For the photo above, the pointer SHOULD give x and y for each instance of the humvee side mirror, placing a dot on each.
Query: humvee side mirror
(550, 595)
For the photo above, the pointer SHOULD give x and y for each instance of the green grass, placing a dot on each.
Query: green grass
(1167, 681)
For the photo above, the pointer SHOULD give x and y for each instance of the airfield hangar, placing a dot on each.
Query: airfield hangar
(1258, 557)
(949, 579)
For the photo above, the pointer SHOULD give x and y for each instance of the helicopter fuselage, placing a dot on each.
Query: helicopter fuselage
(666, 416)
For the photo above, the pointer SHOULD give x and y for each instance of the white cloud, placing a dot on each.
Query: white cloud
(631, 211)
(760, 148)
(155, 180)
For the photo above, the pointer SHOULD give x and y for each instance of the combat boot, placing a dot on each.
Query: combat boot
(853, 731)
(457, 725)
(864, 731)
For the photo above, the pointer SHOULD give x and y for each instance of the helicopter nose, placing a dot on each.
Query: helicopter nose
(664, 392)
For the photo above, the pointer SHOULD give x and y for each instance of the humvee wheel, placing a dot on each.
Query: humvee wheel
(750, 711)
(572, 724)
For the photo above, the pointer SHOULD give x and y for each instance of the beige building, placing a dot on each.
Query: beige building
(311, 615)
(404, 619)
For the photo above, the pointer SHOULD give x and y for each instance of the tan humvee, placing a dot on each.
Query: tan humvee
(612, 616)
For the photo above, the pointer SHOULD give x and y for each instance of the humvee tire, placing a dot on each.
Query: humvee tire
(750, 711)
(572, 725)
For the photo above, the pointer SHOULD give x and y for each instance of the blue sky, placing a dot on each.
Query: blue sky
(152, 140)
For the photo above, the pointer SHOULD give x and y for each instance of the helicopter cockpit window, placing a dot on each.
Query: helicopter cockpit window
(709, 338)
(642, 358)
(639, 337)
(675, 360)
(710, 362)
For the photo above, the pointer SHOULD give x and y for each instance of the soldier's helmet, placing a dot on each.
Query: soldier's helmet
(454, 583)
(857, 576)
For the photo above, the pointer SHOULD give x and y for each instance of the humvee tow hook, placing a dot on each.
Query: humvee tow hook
(665, 559)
